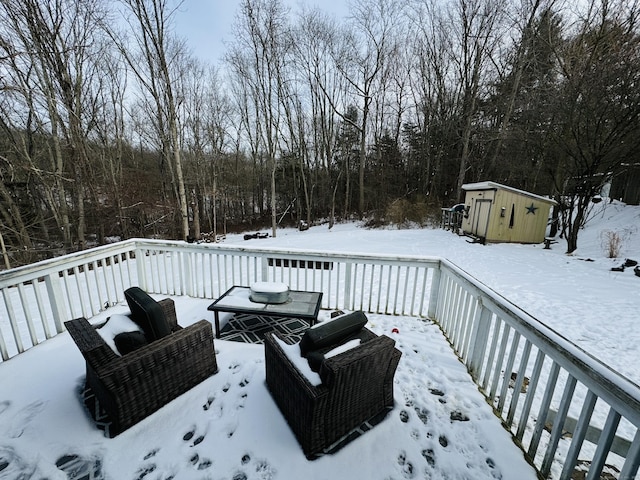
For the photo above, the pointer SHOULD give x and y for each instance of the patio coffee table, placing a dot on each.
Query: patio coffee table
(304, 305)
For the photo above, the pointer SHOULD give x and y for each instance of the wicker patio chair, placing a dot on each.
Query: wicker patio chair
(357, 387)
(122, 390)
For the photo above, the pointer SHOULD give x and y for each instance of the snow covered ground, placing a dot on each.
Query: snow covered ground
(229, 428)
(577, 295)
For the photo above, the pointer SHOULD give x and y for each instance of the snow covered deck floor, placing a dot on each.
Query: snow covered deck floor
(228, 427)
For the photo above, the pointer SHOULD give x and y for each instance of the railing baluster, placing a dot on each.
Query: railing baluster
(506, 332)
(470, 318)
(508, 369)
(17, 338)
(531, 393)
(544, 410)
(83, 305)
(519, 382)
(4, 352)
(41, 310)
(604, 445)
(68, 303)
(27, 313)
(497, 326)
(632, 462)
(579, 435)
(556, 430)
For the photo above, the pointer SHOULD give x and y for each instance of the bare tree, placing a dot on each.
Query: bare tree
(157, 65)
(316, 35)
(258, 58)
(360, 57)
(596, 125)
(475, 28)
(53, 67)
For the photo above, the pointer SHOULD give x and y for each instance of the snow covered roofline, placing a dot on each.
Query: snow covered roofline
(498, 186)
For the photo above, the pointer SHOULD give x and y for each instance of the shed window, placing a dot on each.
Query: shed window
(511, 217)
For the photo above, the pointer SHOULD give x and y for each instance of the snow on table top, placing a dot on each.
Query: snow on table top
(269, 287)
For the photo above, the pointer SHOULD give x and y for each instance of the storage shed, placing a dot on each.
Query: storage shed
(497, 213)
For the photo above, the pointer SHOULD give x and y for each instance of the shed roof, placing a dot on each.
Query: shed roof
(498, 186)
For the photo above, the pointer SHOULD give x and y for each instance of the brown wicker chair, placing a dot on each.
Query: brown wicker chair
(357, 387)
(120, 391)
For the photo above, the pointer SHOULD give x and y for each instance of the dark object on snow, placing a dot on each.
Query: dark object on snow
(630, 263)
(357, 385)
(637, 271)
(249, 236)
(618, 269)
(122, 390)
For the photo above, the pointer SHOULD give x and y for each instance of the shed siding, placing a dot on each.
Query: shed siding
(490, 215)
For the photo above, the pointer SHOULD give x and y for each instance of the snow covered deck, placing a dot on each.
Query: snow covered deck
(229, 427)
(524, 370)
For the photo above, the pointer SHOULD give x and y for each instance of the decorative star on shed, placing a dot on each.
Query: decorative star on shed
(531, 209)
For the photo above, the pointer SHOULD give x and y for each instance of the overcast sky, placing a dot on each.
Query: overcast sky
(206, 24)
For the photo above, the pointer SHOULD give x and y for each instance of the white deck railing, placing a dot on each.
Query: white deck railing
(561, 405)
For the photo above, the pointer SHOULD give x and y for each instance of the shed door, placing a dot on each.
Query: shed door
(480, 220)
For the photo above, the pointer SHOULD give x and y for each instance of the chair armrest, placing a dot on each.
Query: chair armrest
(92, 346)
(281, 367)
(370, 360)
(169, 309)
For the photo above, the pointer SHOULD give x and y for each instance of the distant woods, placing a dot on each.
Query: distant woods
(110, 127)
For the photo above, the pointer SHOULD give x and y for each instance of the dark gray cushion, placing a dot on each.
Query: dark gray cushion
(127, 342)
(332, 332)
(147, 313)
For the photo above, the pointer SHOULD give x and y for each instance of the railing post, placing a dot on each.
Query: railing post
(188, 273)
(435, 289)
(265, 269)
(348, 301)
(140, 259)
(479, 338)
(56, 301)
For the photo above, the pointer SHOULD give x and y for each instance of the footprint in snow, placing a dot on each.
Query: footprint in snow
(190, 435)
(423, 414)
(20, 420)
(495, 473)
(151, 454)
(429, 456)
(208, 403)
(405, 466)
(456, 416)
(12, 465)
(404, 416)
(200, 463)
(262, 468)
(78, 468)
(144, 471)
